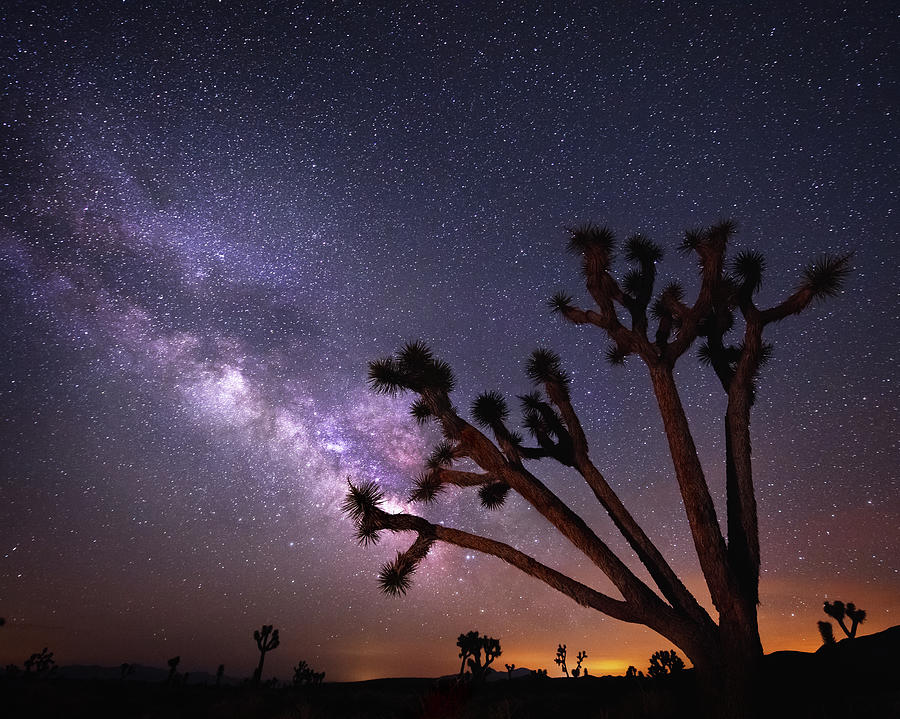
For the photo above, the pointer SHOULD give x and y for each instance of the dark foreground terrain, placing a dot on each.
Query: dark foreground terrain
(857, 679)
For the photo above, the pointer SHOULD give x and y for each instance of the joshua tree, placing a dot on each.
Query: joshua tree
(173, 667)
(561, 658)
(126, 670)
(665, 662)
(509, 669)
(576, 672)
(304, 674)
(42, 662)
(471, 645)
(266, 641)
(840, 611)
(220, 672)
(633, 673)
(725, 651)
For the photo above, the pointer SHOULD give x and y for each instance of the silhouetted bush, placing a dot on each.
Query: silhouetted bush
(665, 662)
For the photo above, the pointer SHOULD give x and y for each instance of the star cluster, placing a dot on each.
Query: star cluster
(213, 216)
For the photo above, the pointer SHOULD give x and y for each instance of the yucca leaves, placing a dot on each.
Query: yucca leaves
(493, 495)
(591, 238)
(415, 368)
(545, 366)
(420, 411)
(560, 302)
(362, 500)
(427, 487)
(672, 293)
(748, 268)
(634, 282)
(615, 356)
(489, 409)
(395, 578)
(385, 376)
(367, 532)
(825, 277)
(441, 456)
(640, 249)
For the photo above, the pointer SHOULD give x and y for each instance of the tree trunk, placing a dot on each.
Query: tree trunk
(728, 670)
(257, 674)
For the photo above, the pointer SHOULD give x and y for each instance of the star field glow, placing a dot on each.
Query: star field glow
(211, 219)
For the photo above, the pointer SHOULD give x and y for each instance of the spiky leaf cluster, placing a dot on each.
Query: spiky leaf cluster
(442, 455)
(413, 368)
(560, 302)
(825, 277)
(748, 268)
(642, 250)
(395, 578)
(427, 487)
(545, 367)
(489, 409)
(593, 239)
(700, 241)
(673, 293)
(493, 495)
(420, 411)
(362, 500)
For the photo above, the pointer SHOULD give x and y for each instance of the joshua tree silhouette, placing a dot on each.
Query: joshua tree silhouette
(840, 612)
(561, 659)
(304, 674)
(266, 641)
(633, 673)
(576, 672)
(509, 670)
(471, 645)
(173, 667)
(727, 652)
(665, 662)
(42, 662)
(220, 672)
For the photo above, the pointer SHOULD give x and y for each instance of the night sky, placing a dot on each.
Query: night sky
(213, 218)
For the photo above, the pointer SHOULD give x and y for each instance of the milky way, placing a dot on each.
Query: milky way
(213, 218)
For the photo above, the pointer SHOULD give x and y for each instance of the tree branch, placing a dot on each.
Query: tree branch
(581, 593)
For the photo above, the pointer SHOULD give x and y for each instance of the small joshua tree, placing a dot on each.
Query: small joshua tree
(220, 672)
(266, 640)
(665, 662)
(509, 669)
(633, 673)
(42, 662)
(173, 667)
(126, 670)
(304, 674)
(576, 672)
(471, 645)
(839, 611)
(561, 658)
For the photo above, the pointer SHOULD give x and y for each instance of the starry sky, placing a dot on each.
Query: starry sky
(212, 217)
